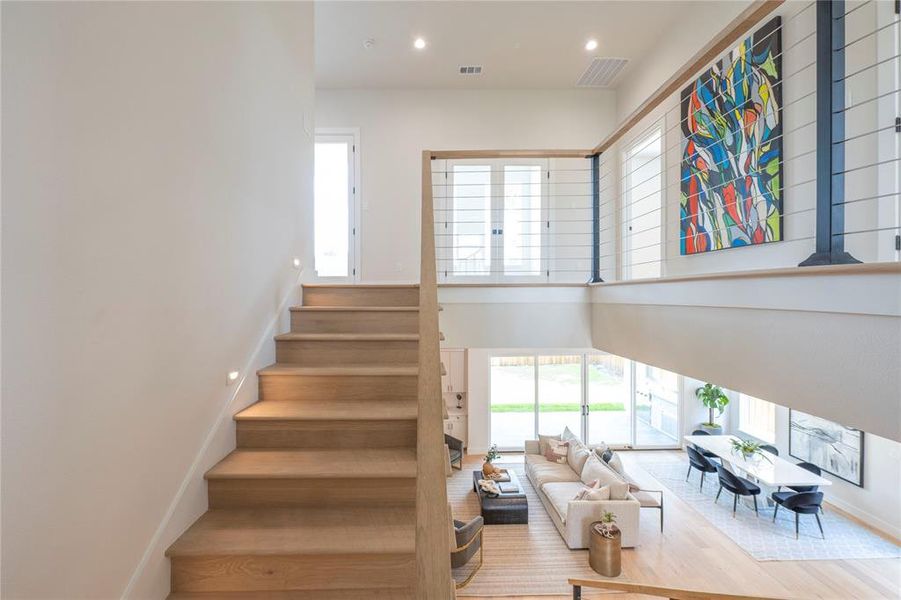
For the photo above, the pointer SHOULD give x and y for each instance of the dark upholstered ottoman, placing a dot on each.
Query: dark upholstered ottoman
(505, 509)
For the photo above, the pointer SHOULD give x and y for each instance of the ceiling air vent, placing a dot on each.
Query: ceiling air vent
(601, 72)
(471, 70)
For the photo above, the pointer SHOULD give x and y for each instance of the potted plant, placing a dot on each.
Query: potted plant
(492, 455)
(714, 399)
(748, 449)
(605, 546)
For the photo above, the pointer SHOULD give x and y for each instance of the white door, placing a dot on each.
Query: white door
(335, 206)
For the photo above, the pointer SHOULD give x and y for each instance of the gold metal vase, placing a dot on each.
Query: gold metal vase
(604, 553)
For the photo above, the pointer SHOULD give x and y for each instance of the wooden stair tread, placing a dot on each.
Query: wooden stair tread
(349, 337)
(377, 463)
(307, 530)
(343, 410)
(354, 309)
(350, 371)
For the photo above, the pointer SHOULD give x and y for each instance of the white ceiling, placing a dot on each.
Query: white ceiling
(520, 44)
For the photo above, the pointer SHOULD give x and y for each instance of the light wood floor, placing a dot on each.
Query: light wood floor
(693, 554)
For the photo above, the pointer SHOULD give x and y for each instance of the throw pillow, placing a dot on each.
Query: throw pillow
(601, 493)
(618, 490)
(557, 451)
(600, 447)
(588, 487)
(569, 436)
(604, 453)
(595, 469)
(577, 456)
(543, 440)
(615, 463)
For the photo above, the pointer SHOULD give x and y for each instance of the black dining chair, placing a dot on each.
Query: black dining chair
(771, 449)
(800, 503)
(739, 486)
(802, 488)
(698, 461)
(706, 453)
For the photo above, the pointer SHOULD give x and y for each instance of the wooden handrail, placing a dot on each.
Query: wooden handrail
(433, 570)
(721, 42)
(456, 154)
(656, 590)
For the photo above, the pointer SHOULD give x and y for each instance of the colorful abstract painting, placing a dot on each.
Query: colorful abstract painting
(731, 172)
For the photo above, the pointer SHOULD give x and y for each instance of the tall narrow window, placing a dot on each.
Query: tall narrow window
(333, 205)
(642, 208)
(757, 417)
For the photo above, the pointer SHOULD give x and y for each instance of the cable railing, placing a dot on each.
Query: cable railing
(505, 219)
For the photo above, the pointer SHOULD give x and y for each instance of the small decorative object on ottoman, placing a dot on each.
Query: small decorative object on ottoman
(493, 454)
(604, 550)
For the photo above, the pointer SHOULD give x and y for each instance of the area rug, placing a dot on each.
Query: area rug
(519, 560)
(760, 536)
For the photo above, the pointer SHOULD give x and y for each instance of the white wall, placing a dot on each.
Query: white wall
(826, 344)
(397, 125)
(681, 41)
(155, 175)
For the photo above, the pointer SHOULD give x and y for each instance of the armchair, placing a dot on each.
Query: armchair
(454, 451)
(467, 541)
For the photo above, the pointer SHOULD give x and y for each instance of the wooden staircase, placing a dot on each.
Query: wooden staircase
(318, 500)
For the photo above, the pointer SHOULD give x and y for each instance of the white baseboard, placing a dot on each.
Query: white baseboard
(871, 520)
(150, 580)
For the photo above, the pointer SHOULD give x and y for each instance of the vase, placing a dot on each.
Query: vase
(604, 554)
(711, 429)
(488, 469)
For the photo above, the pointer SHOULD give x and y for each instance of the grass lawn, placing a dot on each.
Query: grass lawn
(550, 407)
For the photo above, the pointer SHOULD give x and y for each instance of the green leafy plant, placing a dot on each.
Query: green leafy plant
(747, 448)
(714, 399)
(607, 525)
(492, 454)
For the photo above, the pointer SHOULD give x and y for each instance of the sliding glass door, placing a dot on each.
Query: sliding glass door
(513, 414)
(656, 407)
(560, 393)
(599, 397)
(609, 400)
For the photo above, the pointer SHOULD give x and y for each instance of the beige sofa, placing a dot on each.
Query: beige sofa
(557, 485)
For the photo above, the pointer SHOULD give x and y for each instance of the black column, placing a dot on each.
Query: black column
(596, 218)
(830, 213)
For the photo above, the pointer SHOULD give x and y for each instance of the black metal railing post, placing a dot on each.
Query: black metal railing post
(596, 218)
(830, 155)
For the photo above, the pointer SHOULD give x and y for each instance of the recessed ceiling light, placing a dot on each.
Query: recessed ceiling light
(591, 45)
(419, 43)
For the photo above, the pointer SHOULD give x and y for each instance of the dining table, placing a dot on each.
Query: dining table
(764, 468)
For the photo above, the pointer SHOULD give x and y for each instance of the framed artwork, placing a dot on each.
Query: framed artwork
(731, 169)
(834, 448)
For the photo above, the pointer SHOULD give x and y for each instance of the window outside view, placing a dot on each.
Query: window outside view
(554, 385)
(331, 208)
(472, 220)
